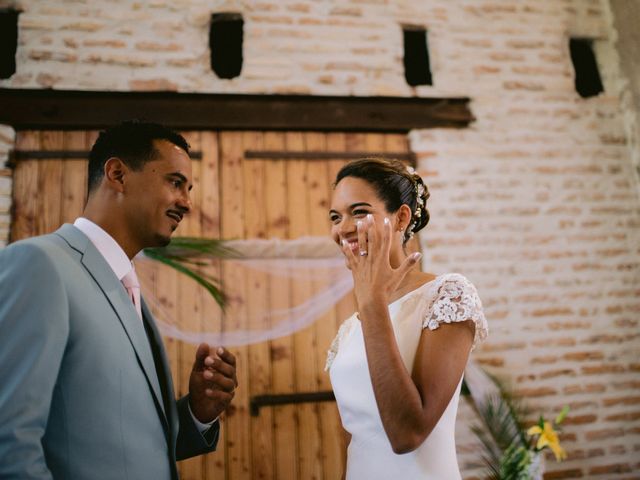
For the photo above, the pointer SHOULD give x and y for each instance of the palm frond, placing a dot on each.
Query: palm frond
(505, 445)
(189, 255)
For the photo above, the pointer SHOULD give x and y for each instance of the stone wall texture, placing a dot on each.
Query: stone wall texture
(537, 202)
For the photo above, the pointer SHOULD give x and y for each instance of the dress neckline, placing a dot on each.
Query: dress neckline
(415, 290)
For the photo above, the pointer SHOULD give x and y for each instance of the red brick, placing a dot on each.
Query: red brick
(486, 69)
(56, 56)
(573, 325)
(155, 84)
(507, 57)
(583, 356)
(527, 378)
(604, 433)
(501, 347)
(609, 469)
(348, 11)
(525, 44)
(477, 42)
(559, 342)
(83, 26)
(552, 312)
(561, 474)
(581, 388)
(627, 385)
(617, 450)
(519, 85)
(299, 7)
(491, 361)
(626, 416)
(605, 368)
(545, 359)
(608, 402)
(109, 43)
(580, 419)
(535, 392)
(595, 452)
(159, 47)
(562, 372)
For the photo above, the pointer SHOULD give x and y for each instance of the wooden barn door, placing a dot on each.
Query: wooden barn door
(246, 185)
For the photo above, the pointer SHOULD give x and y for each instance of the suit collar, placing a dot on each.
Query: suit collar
(106, 245)
(106, 279)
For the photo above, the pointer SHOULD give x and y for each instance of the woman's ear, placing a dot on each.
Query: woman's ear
(114, 173)
(403, 218)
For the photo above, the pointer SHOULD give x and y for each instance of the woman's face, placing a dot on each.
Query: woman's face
(353, 199)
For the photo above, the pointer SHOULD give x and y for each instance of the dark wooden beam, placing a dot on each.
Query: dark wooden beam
(81, 110)
(260, 401)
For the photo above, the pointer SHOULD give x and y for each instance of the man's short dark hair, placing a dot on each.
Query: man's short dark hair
(132, 142)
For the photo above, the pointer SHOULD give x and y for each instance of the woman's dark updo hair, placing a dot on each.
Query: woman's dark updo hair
(395, 185)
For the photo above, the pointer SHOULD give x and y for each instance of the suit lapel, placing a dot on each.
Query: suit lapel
(117, 296)
(164, 369)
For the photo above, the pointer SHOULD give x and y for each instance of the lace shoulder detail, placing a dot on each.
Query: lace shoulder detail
(343, 331)
(456, 300)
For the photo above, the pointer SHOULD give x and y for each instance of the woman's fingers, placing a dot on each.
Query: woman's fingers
(348, 254)
(410, 262)
(363, 247)
(386, 237)
(372, 236)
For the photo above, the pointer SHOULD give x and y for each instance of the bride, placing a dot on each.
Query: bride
(396, 365)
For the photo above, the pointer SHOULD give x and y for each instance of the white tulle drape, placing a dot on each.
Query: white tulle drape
(276, 288)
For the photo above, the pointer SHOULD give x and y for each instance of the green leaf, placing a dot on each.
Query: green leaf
(187, 254)
(561, 416)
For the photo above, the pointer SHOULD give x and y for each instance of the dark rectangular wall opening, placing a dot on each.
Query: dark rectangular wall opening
(417, 69)
(8, 41)
(225, 44)
(588, 82)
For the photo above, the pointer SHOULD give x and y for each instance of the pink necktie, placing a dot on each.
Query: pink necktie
(131, 284)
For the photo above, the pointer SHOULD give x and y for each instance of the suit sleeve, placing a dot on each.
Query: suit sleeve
(34, 327)
(190, 441)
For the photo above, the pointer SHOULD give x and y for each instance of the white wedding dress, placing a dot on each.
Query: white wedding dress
(448, 298)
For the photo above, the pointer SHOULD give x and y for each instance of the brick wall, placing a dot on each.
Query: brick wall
(537, 202)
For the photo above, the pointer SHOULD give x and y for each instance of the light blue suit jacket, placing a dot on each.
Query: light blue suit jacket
(81, 394)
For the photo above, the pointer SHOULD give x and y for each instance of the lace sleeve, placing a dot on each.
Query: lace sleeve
(343, 331)
(457, 301)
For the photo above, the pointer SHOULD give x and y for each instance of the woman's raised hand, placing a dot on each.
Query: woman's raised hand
(374, 278)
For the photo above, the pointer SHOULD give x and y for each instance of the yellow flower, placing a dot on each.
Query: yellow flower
(548, 438)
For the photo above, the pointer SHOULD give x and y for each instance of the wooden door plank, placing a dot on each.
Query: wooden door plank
(309, 444)
(25, 189)
(281, 349)
(257, 304)
(74, 177)
(209, 187)
(238, 448)
(49, 184)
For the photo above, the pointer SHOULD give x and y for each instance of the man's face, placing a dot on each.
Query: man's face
(157, 196)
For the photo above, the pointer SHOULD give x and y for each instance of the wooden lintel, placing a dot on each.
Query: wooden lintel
(83, 110)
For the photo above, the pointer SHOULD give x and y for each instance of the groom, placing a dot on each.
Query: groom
(85, 387)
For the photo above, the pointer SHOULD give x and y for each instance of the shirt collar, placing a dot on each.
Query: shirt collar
(106, 245)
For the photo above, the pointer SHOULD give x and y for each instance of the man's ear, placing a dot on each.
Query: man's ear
(115, 171)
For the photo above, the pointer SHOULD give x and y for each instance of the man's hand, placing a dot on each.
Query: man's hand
(212, 383)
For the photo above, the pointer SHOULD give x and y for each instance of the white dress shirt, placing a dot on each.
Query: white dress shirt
(121, 265)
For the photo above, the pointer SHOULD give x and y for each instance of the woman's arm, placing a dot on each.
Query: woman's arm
(411, 404)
